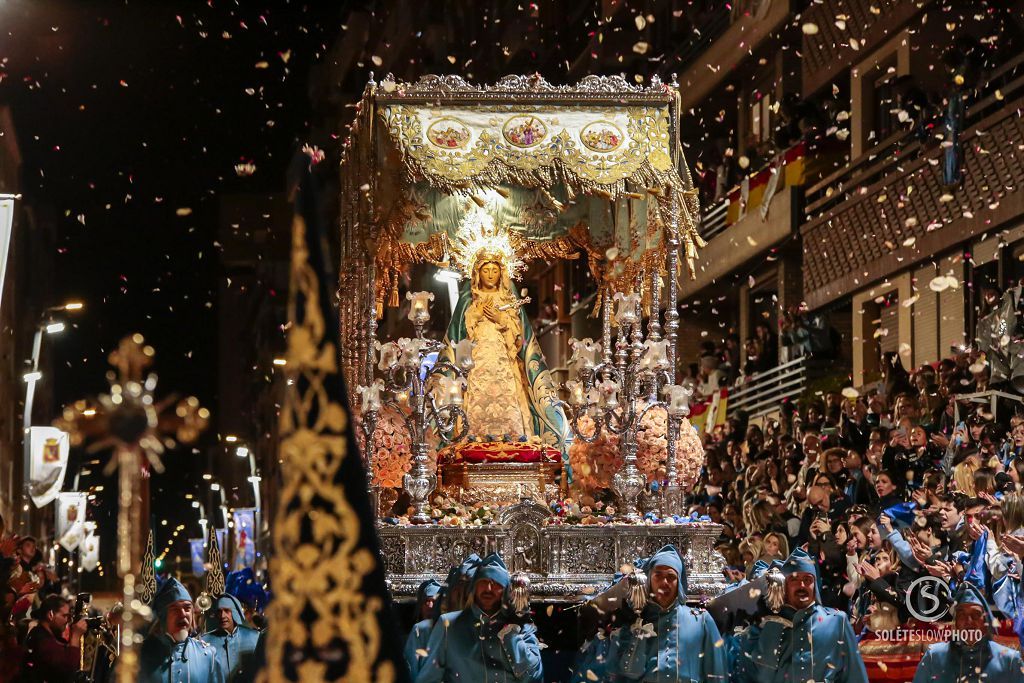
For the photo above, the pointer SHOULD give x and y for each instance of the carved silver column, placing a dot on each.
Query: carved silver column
(672, 301)
(629, 481)
(672, 500)
(419, 482)
(606, 328)
(654, 322)
(371, 321)
(368, 422)
(637, 346)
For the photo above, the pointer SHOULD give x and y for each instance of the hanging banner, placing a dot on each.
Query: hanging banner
(70, 522)
(90, 548)
(197, 550)
(49, 460)
(245, 544)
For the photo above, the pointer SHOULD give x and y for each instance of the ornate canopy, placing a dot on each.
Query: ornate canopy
(595, 169)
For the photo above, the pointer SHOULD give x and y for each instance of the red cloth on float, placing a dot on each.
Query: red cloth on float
(500, 451)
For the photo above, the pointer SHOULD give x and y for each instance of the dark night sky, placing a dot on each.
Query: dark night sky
(127, 114)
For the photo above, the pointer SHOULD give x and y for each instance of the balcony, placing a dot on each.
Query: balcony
(889, 208)
(840, 42)
(751, 218)
(725, 44)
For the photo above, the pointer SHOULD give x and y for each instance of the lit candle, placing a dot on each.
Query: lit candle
(448, 391)
(576, 396)
(626, 312)
(370, 396)
(584, 356)
(656, 357)
(389, 354)
(678, 399)
(609, 393)
(464, 354)
(419, 310)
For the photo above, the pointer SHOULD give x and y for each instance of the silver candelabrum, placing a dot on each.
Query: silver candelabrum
(617, 395)
(425, 395)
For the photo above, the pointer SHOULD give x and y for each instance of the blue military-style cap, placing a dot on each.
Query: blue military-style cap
(171, 592)
(969, 594)
(800, 562)
(669, 557)
(493, 568)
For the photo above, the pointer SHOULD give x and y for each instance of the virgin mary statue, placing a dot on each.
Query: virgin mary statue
(509, 391)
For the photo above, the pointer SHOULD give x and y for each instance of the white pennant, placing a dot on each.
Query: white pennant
(70, 525)
(49, 460)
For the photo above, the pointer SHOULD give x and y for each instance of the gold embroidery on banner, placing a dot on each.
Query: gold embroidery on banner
(324, 574)
(645, 144)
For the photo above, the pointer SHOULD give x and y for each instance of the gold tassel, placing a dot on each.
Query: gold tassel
(633, 195)
(479, 202)
(502, 191)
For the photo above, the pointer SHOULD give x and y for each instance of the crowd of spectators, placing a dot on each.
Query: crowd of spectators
(882, 487)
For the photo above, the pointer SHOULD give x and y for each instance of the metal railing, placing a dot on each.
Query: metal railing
(900, 148)
(766, 391)
(714, 220)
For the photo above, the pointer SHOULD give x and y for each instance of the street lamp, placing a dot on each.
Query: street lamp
(47, 325)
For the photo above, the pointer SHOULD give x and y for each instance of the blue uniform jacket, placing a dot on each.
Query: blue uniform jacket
(465, 646)
(592, 661)
(817, 645)
(161, 660)
(234, 650)
(685, 645)
(416, 645)
(954, 662)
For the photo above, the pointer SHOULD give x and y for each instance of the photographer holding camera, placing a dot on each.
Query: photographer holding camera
(50, 657)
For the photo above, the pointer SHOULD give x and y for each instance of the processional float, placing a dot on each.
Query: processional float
(468, 443)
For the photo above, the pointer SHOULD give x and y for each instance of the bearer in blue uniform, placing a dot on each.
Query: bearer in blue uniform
(670, 641)
(805, 641)
(483, 643)
(169, 652)
(970, 655)
(234, 642)
(428, 606)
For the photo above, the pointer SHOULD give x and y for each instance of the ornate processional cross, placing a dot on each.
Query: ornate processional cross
(139, 429)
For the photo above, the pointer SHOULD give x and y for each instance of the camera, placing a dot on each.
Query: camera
(82, 604)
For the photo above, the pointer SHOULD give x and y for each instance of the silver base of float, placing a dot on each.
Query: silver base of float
(566, 562)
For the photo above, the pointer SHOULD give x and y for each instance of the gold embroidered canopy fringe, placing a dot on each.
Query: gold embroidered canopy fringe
(586, 169)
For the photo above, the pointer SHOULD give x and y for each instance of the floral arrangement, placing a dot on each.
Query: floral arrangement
(652, 449)
(585, 511)
(392, 452)
(594, 464)
(652, 444)
(689, 455)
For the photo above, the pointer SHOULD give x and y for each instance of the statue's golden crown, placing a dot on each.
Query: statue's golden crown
(480, 239)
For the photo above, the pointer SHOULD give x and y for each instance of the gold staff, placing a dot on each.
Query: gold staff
(138, 429)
